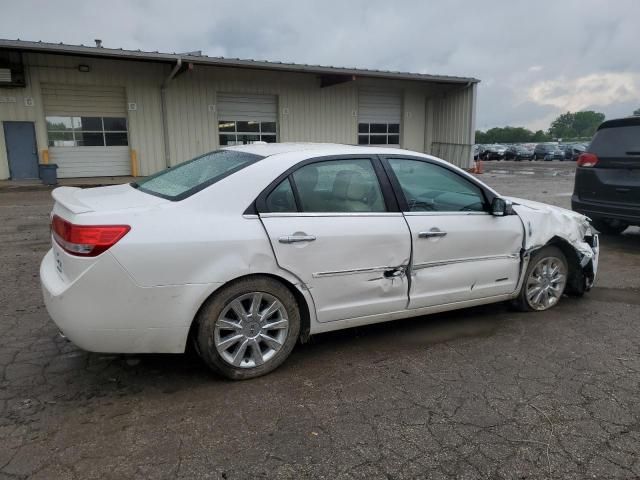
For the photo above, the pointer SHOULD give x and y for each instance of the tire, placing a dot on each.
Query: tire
(250, 355)
(609, 228)
(552, 257)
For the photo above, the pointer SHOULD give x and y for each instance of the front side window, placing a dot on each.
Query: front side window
(190, 177)
(339, 186)
(428, 187)
(232, 132)
(65, 131)
(379, 134)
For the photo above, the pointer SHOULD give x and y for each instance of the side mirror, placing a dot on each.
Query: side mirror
(501, 207)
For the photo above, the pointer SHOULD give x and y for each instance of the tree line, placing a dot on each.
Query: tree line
(568, 126)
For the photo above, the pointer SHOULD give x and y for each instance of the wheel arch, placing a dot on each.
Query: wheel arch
(576, 280)
(305, 304)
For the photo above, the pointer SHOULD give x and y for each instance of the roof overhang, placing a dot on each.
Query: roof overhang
(333, 74)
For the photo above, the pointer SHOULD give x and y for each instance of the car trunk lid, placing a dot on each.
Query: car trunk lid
(115, 197)
(78, 210)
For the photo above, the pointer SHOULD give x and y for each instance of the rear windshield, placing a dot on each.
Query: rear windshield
(617, 142)
(192, 176)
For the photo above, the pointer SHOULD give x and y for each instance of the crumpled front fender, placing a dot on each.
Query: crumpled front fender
(545, 224)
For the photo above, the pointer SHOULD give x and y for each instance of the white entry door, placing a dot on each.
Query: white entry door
(329, 225)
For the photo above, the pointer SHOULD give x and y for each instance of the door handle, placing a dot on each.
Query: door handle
(296, 238)
(432, 234)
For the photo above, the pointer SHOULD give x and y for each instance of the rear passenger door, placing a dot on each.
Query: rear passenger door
(334, 223)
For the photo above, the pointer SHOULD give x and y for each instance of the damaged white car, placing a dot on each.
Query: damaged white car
(247, 250)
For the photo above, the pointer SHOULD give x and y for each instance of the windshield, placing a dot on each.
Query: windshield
(192, 176)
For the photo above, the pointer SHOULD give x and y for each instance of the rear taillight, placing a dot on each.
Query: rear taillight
(86, 240)
(587, 160)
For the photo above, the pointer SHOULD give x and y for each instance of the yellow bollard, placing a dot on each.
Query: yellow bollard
(134, 163)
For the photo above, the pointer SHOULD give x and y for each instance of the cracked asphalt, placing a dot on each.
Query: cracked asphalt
(478, 393)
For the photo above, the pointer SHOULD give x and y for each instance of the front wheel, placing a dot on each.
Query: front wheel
(545, 280)
(248, 328)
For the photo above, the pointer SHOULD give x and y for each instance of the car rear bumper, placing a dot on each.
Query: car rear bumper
(626, 213)
(104, 310)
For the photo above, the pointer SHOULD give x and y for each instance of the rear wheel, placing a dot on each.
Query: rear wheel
(545, 280)
(609, 227)
(248, 328)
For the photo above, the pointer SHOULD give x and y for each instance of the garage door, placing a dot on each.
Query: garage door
(87, 130)
(379, 114)
(245, 118)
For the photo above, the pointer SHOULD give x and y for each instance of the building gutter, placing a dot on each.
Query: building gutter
(163, 108)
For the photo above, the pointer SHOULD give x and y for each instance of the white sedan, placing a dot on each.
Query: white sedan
(247, 250)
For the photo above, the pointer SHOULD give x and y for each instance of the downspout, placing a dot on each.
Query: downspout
(163, 107)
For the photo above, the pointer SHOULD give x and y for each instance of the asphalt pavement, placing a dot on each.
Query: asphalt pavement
(479, 393)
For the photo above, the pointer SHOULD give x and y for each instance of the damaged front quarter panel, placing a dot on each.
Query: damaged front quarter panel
(570, 231)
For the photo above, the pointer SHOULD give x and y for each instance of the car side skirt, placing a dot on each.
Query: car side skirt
(386, 317)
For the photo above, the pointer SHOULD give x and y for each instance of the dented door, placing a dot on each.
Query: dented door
(460, 251)
(353, 264)
(460, 256)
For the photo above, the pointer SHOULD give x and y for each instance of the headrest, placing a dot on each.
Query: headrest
(350, 185)
(307, 178)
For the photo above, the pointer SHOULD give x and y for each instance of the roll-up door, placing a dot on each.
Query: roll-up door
(246, 118)
(87, 130)
(379, 115)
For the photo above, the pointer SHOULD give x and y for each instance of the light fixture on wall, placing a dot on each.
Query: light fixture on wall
(84, 68)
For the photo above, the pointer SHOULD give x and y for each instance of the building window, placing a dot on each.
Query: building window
(244, 132)
(379, 134)
(87, 131)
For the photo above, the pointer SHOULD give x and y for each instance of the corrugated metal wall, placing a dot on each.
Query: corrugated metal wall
(141, 81)
(306, 112)
(437, 123)
(453, 125)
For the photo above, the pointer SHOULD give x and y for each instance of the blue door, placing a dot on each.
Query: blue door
(20, 138)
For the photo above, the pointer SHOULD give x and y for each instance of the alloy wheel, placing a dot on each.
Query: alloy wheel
(546, 283)
(251, 329)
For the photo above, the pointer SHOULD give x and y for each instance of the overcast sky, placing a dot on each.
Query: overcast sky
(536, 58)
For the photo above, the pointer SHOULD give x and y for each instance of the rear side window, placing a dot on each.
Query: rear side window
(339, 186)
(190, 177)
(281, 199)
(617, 142)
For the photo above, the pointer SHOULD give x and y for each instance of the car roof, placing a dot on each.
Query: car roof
(620, 122)
(315, 149)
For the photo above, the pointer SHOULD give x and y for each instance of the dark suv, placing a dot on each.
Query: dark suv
(544, 151)
(607, 185)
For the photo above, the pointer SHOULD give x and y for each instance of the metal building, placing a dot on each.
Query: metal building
(98, 111)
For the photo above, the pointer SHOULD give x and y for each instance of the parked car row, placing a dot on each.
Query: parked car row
(547, 151)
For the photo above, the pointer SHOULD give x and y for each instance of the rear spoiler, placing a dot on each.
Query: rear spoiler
(66, 196)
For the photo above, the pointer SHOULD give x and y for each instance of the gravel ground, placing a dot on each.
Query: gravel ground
(478, 393)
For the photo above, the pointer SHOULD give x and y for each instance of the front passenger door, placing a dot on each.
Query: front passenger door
(460, 251)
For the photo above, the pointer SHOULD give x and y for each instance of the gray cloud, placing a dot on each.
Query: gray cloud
(535, 59)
